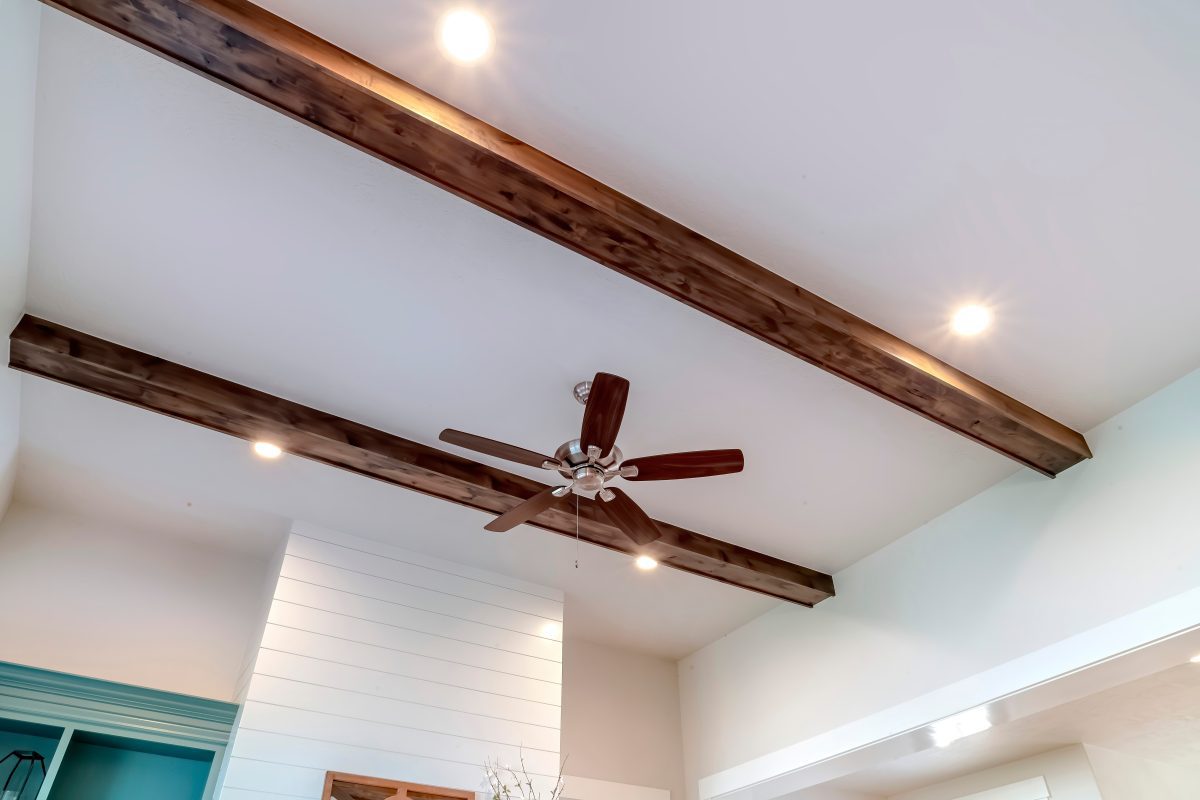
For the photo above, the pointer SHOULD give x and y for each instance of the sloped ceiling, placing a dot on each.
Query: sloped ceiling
(898, 160)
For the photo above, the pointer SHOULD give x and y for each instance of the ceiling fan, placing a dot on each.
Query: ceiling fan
(594, 459)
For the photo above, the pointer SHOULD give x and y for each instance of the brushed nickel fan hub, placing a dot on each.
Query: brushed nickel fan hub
(571, 454)
(587, 473)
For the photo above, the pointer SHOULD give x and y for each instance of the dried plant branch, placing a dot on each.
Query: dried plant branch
(506, 783)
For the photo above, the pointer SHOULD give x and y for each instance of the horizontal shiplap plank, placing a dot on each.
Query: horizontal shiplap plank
(289, 615)
(418, 620)
(355, 705)
(319, 673)
(267, 776)
(388, 737)
(423, 577)
(229, 793)
(437, 564)
(293, 750)
(402, 594)
(257, 775)
(291, 640)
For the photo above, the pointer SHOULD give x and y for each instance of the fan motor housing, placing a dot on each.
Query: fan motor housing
(573, 455)
(585, 474)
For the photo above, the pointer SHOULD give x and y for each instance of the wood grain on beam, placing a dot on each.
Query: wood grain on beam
(77, 359)
(282, 66)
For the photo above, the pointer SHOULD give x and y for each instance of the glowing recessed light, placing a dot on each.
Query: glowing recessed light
(268, 450)
(970, 320)
(950, 730)
(645, 562)
(1195, 659)
(465, 35)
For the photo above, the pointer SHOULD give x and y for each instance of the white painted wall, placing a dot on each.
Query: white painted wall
(380, 661)
(1067, 772)
(620, 718)
(826, 793)
(19, 24)
(578, 788)
(1122, 776)
(1023, 565)
(136, 606)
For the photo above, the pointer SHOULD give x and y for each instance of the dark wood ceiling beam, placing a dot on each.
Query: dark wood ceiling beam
(86, 362)
(282, 66)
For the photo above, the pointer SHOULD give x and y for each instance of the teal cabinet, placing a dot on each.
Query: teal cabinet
(21, 735)
(98, 767)
(108, 741)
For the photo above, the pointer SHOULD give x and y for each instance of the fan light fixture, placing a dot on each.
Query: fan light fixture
(645, 563)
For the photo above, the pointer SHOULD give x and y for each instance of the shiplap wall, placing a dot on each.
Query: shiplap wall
(379, 661)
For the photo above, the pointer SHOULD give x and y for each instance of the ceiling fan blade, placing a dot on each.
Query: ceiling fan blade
(524, 511)
(605, 408)
(629, 517)
(673, 466)
(493, 448)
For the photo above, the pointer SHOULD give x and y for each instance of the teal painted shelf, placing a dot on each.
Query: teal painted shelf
(109, 741)
(21, 735)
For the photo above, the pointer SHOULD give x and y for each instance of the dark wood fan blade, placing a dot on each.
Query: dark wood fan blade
(604, 411)
(523, 512)
(629, 517)
(696, 464)
(493, 448)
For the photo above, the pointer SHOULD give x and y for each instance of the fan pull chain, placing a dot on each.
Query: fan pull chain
(576, 531)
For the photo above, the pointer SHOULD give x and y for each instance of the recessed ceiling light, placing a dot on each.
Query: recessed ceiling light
(268, 450)
(970, 320)
(465, 35)
(645, 562)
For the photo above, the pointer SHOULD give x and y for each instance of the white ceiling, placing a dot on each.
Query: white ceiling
(897, 159)
(92, 456)
(1153, 718)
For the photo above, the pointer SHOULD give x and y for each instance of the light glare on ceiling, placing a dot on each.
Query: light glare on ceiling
(960, 726)
(645, 563)
(1195, 659)
(970, 320)
(465, 35)
(268, 450)
(551, 630)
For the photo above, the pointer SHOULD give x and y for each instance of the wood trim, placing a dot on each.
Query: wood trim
(266, 58)
(403, 791)
(77, 359)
